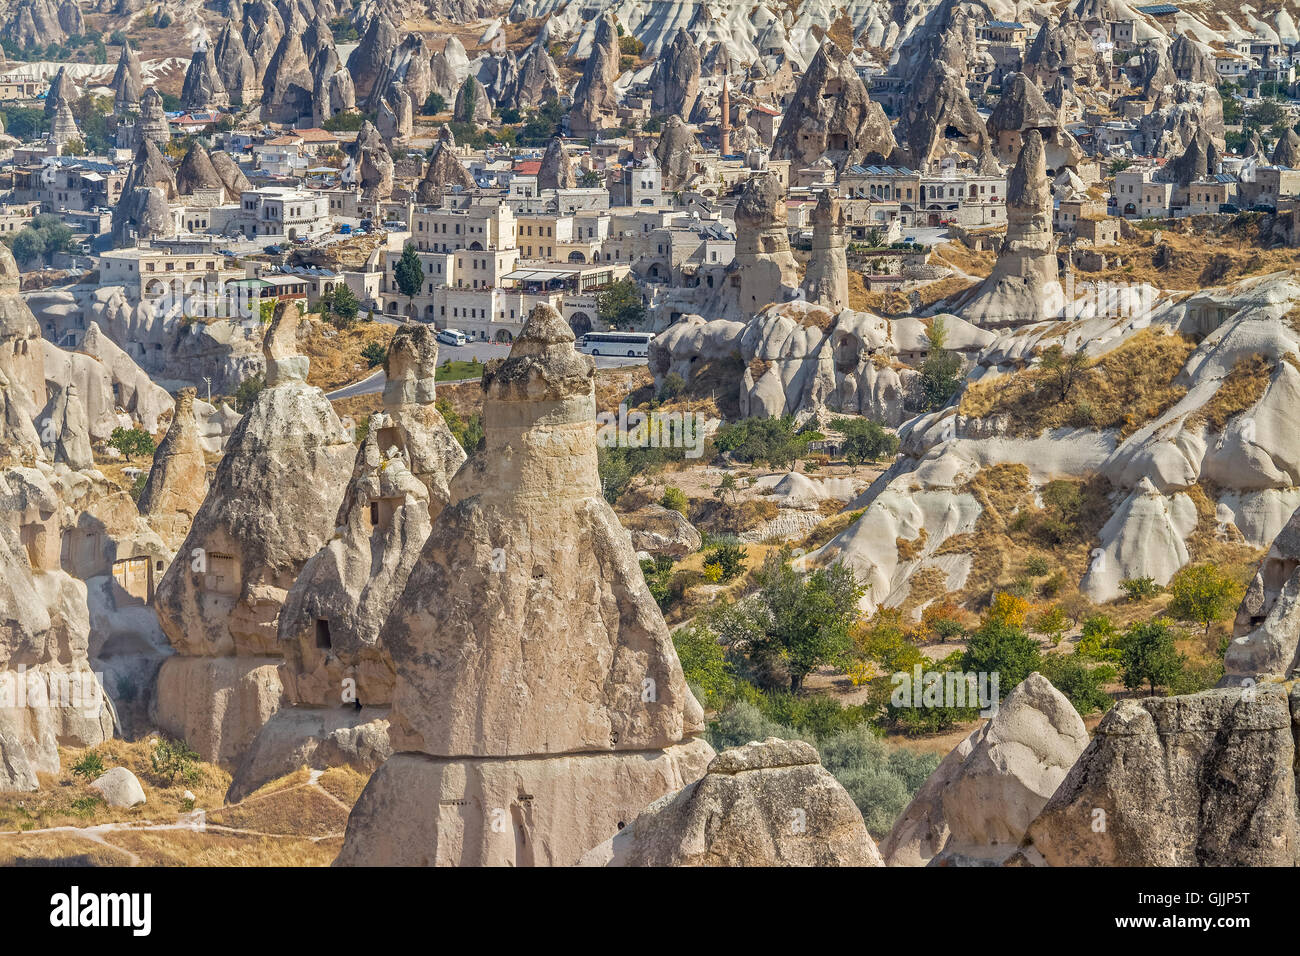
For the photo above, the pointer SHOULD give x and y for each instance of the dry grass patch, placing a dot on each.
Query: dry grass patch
(360, 407)
(303, 811)
(1226, 251)
(195, 848)
(924, 585)
(345, 783)
(336, 356)
(1241, 389)
(67, 800)
(828, 529)
(1123, 389)
(1012, 528)
(958, 256)
(57, 849)
(909, 549)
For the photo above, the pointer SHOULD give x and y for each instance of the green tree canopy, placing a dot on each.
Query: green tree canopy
(1202, 595)
(132, 441)
(409, 273)
(1148, 655)
(797, 621)
(619, 303)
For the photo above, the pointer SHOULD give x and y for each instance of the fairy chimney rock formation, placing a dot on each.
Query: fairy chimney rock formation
(826, 281)
(153, 123)
(556, 171)
(178, 480)
(766, 265)
(330, 627)
(832, 116)
(128, 84)
(527, 577)
(444, 171)
(595, 105)
(1023, 286)
(270, 507)
(763, 804)
(675, 82)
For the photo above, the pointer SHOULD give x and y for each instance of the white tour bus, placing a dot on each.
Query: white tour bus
(630, 344)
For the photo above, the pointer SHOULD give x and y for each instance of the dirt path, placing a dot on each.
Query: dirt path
(196, 821)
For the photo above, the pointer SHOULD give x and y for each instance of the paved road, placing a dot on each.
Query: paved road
(483, 351)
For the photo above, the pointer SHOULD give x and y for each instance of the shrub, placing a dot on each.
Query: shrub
(1036, 566)
(86, 806)
(941, 619)
(1138, 589)
(374, 354)
(658, 578)
(247, 392)
(879, 784)
(1099, 640)
(674, 499)
(672, 386)
(174, 760)
(729, 559)
(90, 766)
(1082, 685)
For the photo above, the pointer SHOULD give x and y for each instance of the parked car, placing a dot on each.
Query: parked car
(272, 250)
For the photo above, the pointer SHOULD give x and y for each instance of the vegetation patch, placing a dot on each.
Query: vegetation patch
(1124, 389)
(1241, 389)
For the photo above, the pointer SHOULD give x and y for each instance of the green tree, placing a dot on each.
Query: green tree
(374, 354)
(999, 647)
(864, 440)
(1148, 655)
(619, 303)
(675, 499)
(344, 303)
(797, 620)
(1063, 367)
(941, 370)
(773, 440)
(467, 100)
(409, 273)
(132, 441)
(704, 664)
(727, 488)
(434, 104)
(25, 123)
(247, 392)
(28, 247)
(1202, 594)
(1052, 623)
(1082, 685)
